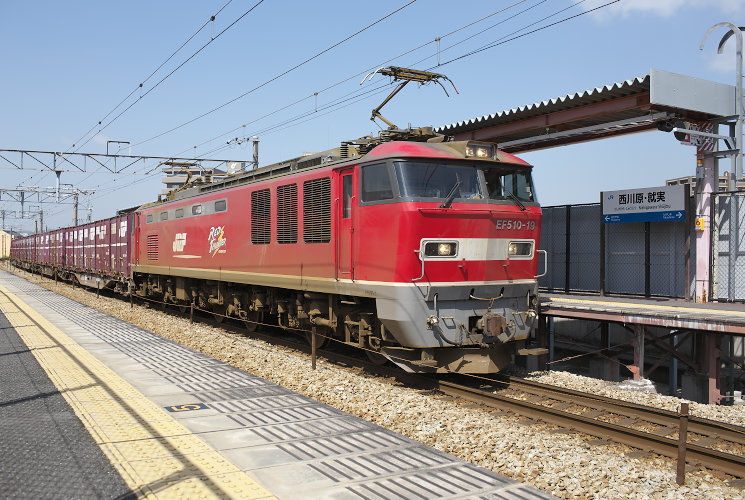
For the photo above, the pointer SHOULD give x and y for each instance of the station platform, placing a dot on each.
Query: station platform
(94, 407)
(727, 318)
(698, 336)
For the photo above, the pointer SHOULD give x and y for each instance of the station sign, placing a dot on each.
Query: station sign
(654, 204)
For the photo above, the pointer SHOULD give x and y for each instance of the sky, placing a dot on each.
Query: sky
(290, 73)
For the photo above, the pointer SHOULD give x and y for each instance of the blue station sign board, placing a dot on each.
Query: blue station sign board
(655, 204)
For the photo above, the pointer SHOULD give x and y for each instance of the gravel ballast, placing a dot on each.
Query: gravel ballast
(568, 465)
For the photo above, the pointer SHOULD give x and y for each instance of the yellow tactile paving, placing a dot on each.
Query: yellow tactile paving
(634, 305)
(156, 455)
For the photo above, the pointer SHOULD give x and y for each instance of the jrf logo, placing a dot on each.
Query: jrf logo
(179, 242)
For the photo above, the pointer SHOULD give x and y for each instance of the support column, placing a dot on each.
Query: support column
(706, 173)
(550, 342)
(640, 331)
(638, 343)
(604, 335)
(542, 340)
(674, 366)
(713, 351)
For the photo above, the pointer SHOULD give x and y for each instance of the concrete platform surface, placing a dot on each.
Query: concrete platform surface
(175, 423)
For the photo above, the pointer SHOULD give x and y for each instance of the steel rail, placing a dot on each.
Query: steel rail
(657, 416)
(713, 459)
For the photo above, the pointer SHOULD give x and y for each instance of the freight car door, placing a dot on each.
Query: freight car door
(136, 242)
(345, 246)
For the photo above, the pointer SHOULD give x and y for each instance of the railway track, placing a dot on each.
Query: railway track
(711, 444)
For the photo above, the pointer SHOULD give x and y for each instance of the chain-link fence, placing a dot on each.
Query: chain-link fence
(638, 258)
(729, 248)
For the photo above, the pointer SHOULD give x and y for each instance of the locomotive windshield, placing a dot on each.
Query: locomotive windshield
(438, 180)
(507, 183)
(446, 181)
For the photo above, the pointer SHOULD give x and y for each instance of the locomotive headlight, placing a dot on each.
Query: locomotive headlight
(445, 249)
(520, 248)
(440, 248)
(482, 151)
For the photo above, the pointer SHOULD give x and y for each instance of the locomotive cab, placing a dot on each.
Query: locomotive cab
(446, 237)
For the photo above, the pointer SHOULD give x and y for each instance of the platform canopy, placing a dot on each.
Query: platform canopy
(625, 107)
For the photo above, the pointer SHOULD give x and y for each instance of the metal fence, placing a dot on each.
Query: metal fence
(639, 258)
(729, 245)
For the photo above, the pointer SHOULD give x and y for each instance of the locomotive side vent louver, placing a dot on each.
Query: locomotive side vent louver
(287, 213)
(261, 222)
(152, 247)
(317, 210)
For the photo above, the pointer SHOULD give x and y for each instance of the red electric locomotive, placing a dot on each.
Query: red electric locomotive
(422, 251)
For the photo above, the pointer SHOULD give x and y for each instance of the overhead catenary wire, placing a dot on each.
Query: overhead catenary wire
(141, 84)
(360, 73)
(177, 68)
(500, 41)
(307, 115)
(496, 44)
(277, 77)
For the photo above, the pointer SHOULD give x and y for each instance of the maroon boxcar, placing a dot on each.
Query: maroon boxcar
(121, 237)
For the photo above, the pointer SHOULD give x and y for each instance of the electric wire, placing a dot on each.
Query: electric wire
(498, 42)
(206, 23)
(277, 77)
(304, 115)
(307, 114)
(362, 73)
(174, 70)
(501, 40)
(199, 30)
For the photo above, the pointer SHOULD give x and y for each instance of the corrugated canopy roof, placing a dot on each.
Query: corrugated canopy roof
(620, 108)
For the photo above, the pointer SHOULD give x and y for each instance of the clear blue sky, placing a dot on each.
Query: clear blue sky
(67, 64)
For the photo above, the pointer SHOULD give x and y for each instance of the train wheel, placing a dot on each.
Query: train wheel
(253, 319)
(375, 357)
(219, 314)
(322, 337)
(182, 308)
(372, 351)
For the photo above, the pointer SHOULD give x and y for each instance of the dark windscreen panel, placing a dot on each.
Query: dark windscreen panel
(504, 183)
(436, 180)
(376, 183)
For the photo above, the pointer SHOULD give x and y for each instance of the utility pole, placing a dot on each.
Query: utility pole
(75, 209)
(41, 219)
(58, 173)
(737, 149)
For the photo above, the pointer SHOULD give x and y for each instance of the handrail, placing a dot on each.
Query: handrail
(420, 278)
(545, 264)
